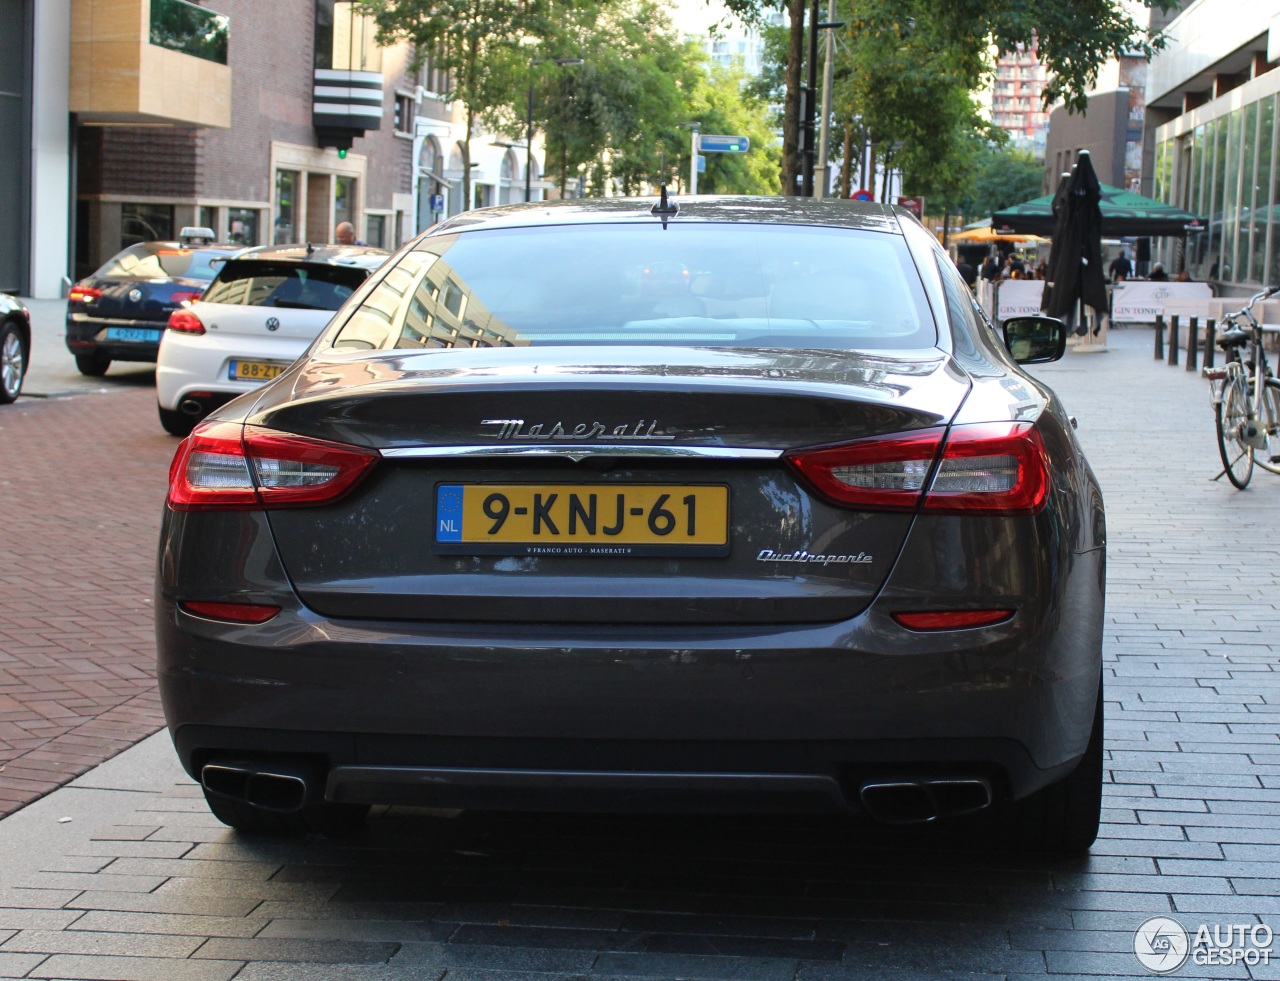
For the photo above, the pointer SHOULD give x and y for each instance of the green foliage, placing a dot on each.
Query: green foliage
(722, 104)
(1003, 176)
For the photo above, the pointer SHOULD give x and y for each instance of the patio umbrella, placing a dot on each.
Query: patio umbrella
(1075, 260)
(1123, 213)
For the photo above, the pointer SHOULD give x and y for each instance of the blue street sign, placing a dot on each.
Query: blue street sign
(437, 203)
(723, 144)
(862, 195)
(702, 164)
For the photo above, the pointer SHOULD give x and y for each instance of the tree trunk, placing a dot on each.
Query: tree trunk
(466, 161)
(564, 168)
(888, 174)
(791, 107)
(870, 182)
(846, 162)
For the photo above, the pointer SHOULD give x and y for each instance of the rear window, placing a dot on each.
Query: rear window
(248, 282)
(719, 285)
(148, 261)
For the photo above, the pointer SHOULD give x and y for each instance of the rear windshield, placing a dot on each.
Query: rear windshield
(254, 283)
(154, 261)
(718, 285)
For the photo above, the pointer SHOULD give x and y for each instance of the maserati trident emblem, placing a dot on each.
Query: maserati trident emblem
(273, 323)
(514, 429)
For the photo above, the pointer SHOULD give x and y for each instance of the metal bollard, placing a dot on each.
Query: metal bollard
(1193, 340)
(1159, 336)
(1173, 339)
(1210, 348)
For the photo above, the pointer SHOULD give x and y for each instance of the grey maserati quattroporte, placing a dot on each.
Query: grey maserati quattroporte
(730, 504)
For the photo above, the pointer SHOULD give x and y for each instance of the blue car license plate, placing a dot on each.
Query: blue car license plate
(132, 334)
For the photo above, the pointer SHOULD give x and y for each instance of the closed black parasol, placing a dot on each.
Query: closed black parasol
(1075, 260)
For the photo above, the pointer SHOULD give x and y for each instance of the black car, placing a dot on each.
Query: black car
(735, 505)
(120, 312)
(15, 346)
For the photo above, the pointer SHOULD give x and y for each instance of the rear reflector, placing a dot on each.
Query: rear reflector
(224, 466)
(991, 467)
(951, 619)
(233, 612)
(185, 322)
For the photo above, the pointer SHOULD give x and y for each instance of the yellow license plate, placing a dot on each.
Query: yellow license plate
(582, 519)
(254, 370)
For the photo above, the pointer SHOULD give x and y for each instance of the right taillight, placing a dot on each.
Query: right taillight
(84, 294)
(989, 467)
(226, 466)
(185, 322)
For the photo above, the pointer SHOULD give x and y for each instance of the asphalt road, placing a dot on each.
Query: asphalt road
(140, 882)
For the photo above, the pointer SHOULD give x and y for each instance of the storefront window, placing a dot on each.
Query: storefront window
(242, 224)
(1229, 175)
(1261, 214)
(344, 200)
(145, 223)
(1248, 174)
(286, 216)
(376, 230)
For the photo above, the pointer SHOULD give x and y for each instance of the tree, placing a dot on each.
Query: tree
(479, 44)
(1003, 176)
(1074, 39)
(722, 103)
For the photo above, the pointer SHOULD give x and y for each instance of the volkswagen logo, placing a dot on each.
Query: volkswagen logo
(273, 323)
(135, 295)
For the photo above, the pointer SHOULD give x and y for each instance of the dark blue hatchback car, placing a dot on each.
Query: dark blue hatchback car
(119, 313)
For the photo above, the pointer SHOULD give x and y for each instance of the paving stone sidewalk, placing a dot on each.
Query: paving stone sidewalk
(82, 482)
(159, 890)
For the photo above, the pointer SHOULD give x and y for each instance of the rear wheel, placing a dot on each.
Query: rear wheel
(176, 423)
(1064, 816)
(1269, 421)
(94, 365)
(1232, 414)
(13, 363)
(320, 817)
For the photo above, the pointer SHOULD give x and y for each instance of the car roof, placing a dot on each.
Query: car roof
(361, 256)
(189, 247)
(702, 208)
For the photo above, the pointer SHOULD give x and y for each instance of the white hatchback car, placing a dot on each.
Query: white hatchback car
(262, 310)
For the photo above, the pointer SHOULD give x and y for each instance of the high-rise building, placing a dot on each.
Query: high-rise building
(1017, 106)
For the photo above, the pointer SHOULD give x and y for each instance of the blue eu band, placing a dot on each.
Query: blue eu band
(449, 513)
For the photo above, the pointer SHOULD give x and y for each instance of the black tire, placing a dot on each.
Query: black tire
(1064, 816)
(176, 423)
(94, 365)
(13, 363)
(317, 818)
(1229, 415)
(1269, 419)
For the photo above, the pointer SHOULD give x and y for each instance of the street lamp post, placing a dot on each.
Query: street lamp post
(528, 122)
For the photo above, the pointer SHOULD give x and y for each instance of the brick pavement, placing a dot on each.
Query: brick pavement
(82, 481)
(1192, 814)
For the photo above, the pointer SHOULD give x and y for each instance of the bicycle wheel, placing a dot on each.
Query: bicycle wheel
(1231, 415)
(1269, 423)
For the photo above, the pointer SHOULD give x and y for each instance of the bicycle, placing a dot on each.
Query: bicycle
(1248, 425)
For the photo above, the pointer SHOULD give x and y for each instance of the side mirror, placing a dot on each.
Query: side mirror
(1035, 340)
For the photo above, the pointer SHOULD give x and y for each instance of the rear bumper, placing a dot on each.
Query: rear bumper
(88, 336)
(667, 719)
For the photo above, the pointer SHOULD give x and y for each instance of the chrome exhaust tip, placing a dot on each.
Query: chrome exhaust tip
(921, 801)
(191, 407)
(280, 787)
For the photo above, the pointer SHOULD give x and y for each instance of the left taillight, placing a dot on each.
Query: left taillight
(990, 467)
(184, 321)
(226, 466)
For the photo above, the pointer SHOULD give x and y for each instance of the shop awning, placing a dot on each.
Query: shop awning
(1123, 213)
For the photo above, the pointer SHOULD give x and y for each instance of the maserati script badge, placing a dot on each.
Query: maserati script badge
(515, 429)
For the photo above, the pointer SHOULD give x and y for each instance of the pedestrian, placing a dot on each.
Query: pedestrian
(967, 272)
(1042, 271)
(1158, 275)
(345, 234)
(1182, 277)
(989, 269)
(1121, 268)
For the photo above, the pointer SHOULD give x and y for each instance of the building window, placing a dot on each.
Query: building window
(145, 223)
(286, 216)
(242, 223)
(344, 200)
(375, 231)
(404, 114)
(207, 218)
(345, 37)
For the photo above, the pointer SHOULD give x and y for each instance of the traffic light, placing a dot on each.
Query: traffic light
(342, 153)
